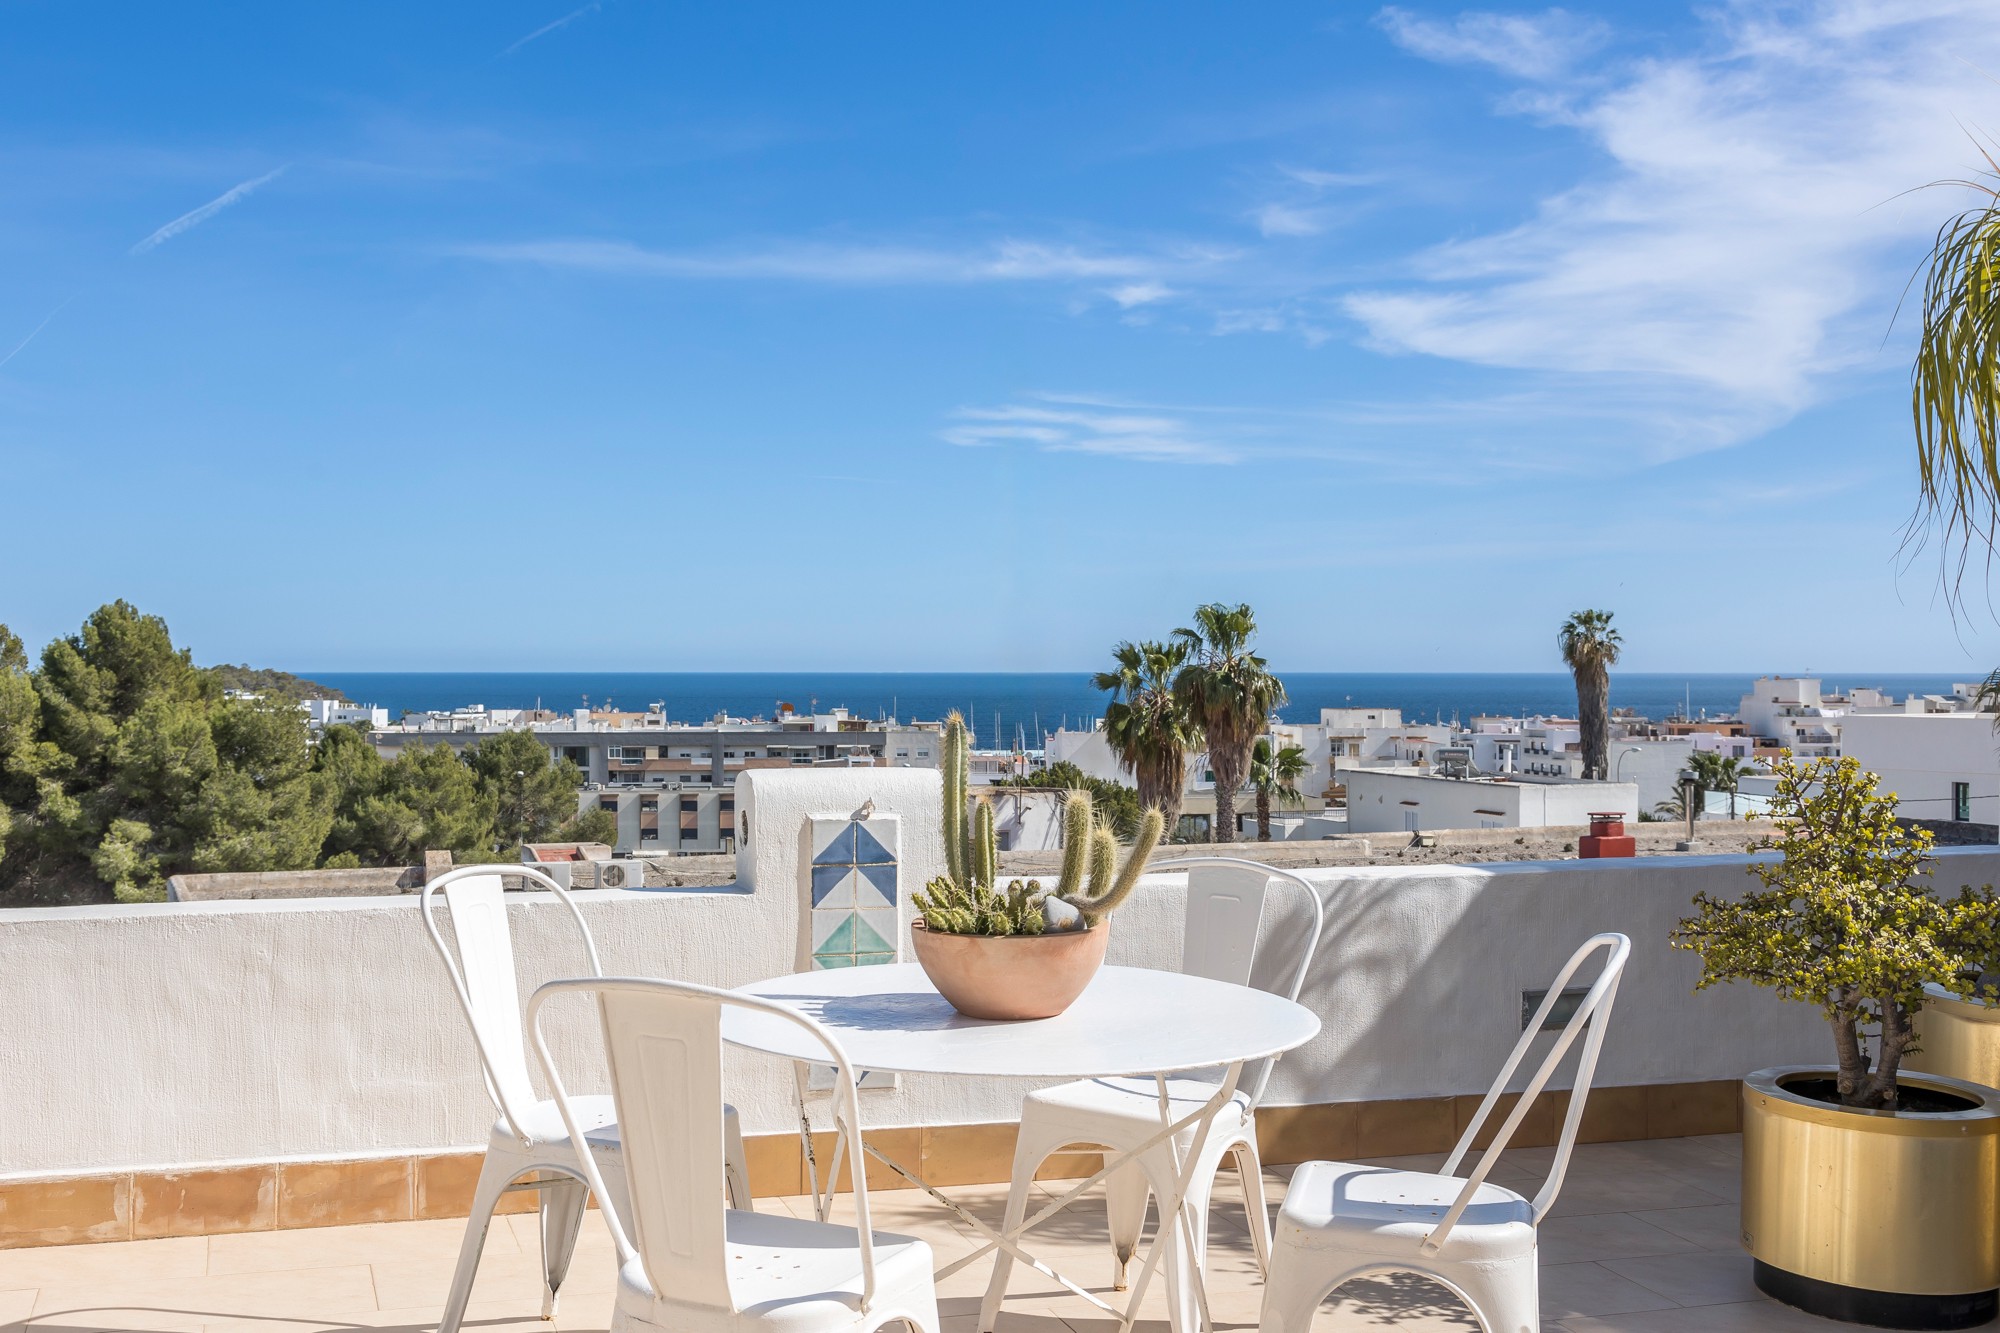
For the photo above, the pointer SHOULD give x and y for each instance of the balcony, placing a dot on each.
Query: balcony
(266, 1114)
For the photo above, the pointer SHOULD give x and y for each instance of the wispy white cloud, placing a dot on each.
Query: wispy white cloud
(1057, 425)
(1530, 46)
(548, 28)
(1740, 255)
(1004, 261)
(189, 221)
(1300, 204)
(1134, 294)
(1288, 220)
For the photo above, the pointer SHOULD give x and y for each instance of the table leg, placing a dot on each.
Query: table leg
(1180, 1235)
(822, 1199)
(1009, 1240)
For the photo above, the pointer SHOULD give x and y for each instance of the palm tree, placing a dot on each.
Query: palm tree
(1955, 384)
(1716, 772)
(1674, 807)
(1148, 727)
(1275, 775)
(1590, 649)
(1230, 694)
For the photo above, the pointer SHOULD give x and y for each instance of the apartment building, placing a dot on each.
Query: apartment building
(670, 784)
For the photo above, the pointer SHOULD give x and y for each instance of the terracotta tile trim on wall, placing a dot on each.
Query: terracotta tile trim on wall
(137, 1205)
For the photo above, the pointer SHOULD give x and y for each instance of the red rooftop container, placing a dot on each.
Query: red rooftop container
(1607, 837)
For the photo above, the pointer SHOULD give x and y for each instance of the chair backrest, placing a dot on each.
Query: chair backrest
(1225, 913)
(482, 973)
(663, 1044)
(1590, 1018)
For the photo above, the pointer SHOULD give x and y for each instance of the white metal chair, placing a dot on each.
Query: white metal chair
(1225, 911)
(688, 1263)
(1341, 1221)
(528, 1139)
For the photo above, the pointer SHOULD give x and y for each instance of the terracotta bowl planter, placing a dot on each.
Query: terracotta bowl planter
(1010, 976)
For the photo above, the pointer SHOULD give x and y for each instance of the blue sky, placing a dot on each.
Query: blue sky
(657, 337)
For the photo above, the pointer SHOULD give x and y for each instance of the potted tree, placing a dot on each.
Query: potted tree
(1871, 1192)
(1018, 952)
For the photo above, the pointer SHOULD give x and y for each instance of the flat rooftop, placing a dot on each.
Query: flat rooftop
(1643, 1238)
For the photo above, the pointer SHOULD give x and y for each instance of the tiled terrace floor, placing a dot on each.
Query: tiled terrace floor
(1643, 1238)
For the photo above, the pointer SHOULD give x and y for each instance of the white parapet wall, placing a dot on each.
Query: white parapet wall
(188, 1034)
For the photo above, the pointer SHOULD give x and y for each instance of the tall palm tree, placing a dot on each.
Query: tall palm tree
(1716, 772)
(1148, 727)
(1590, 649)
(1230, 693)
(1275, 775)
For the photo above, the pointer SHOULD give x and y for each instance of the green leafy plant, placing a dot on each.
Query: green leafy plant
(1843, 923)
(968, 900)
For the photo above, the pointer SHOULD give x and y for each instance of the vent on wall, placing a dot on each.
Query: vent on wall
(1559, 1015)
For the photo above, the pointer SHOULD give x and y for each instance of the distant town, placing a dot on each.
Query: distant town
(670, 783)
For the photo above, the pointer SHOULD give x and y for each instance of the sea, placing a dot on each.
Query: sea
(1018, 708)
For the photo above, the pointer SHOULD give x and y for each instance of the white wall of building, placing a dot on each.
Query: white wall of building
(1389, 800)
(1920, 756)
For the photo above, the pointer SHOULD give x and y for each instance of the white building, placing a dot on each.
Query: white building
(1389, 800)
(1940, 765)
(1345, 738)
(1791, 711)
(323, 713)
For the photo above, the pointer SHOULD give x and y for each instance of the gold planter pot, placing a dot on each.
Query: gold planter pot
(1957, 1038)
(1871, 1216)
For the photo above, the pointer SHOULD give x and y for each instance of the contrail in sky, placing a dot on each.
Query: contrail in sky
(38, 328)
(548, 28)
(188, 221)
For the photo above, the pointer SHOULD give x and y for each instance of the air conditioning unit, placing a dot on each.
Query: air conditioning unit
(561, 872)
(621, 874)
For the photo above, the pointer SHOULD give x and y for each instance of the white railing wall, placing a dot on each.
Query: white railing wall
(189, 1034)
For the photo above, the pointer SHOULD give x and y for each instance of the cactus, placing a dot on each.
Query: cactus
(957, 761)
(977, 910)
(967, 899)
(1076, 843)
(983, 852)
(1107, 891)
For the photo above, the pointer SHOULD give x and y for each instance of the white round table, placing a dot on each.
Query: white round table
(1130, 1021)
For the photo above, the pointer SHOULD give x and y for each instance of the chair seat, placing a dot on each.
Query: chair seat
(542, 1123)
(1384, 1211)
(1120, 1111)
(789, 1272)
(597, 1115)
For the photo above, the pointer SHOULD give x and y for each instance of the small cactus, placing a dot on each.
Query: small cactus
(977, 910)
(1108, 890)
(967, 898)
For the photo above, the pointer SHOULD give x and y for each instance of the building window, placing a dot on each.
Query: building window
(608, 803)
(689, 834)
(1961, 801)
(649, 835)
(690, 804)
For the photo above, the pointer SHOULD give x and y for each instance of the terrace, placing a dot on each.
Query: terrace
(266, 1114)
(1643, 1239)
